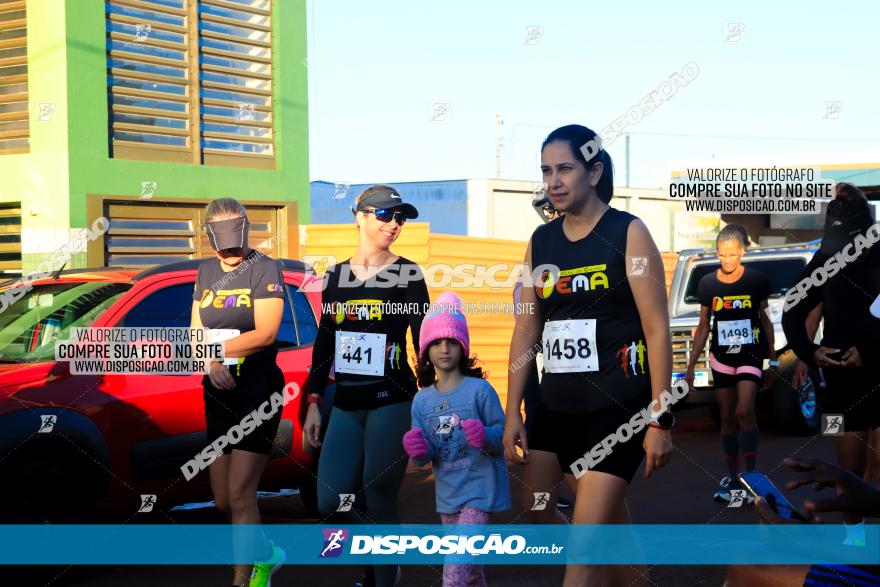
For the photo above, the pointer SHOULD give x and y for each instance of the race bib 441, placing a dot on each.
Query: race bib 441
(360, 353)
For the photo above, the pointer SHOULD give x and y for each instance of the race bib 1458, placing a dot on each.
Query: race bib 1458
(570, 346)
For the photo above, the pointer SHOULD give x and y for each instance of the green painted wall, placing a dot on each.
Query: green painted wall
(39, 179)
(93, 172)
(69, 158)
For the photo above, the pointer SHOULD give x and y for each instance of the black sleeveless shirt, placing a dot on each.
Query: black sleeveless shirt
(595, 352)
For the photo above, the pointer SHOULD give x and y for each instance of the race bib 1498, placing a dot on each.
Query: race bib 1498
(734, 332)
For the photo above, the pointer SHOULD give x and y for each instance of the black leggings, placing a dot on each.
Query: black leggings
(363, 452)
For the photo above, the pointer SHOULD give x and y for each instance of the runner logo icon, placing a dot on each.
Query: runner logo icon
(737, 497)
(147, 503)
(832, 424)
(639, 266)
(541, 500)
(346, 500)
(447, 423)
(333, 541)
(47, 423)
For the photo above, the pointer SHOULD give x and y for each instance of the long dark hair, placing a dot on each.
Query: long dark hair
(576, 136)
(425, 374)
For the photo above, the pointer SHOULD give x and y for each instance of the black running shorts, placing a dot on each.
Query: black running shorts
(570, 436)
(225, 408)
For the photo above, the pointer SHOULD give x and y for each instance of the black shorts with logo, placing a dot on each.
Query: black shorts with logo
(225, 408)
(571, 436)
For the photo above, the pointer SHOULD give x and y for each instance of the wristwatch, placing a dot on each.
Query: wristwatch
(663, 420)
(314, 399)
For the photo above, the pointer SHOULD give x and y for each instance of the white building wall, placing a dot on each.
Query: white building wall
(477, 208)
(499, 208)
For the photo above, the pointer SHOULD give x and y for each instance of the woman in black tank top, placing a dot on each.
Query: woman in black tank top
(599, 293)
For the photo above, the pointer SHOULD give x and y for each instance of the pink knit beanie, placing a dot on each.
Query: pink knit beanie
(444, 320)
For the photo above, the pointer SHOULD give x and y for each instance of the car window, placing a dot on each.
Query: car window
(168, 307)
(30, 326)
(171, 307)
(287, 333)
(306, 326)
(782, 274)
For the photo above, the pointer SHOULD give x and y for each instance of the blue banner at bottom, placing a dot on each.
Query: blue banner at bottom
(662, 544)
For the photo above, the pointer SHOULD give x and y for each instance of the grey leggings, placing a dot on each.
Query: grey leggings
(363, 454)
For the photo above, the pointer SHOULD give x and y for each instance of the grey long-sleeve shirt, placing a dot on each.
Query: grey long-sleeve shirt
(464, 475)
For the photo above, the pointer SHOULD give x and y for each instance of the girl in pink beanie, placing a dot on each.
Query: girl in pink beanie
(457, 425)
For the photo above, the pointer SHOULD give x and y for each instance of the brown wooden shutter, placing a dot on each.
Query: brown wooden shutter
(14, 126)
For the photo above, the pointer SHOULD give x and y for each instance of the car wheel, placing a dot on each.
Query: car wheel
(38, 488)
(794, 411)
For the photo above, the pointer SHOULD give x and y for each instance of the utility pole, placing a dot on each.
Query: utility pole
(497, 146)
(626, 145)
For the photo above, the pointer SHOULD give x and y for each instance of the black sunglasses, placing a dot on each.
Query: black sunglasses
(385, 215)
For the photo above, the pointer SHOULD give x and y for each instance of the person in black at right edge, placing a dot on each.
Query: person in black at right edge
(849, 354)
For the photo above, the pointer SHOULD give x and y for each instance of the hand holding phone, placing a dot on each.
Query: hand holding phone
(828, 357)
(760, 486)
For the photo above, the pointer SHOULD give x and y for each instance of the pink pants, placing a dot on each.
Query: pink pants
(464, 575)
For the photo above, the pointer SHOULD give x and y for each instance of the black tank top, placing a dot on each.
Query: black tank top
(595, 352)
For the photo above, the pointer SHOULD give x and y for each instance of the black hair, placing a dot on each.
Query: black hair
(577, 136)
(226, 207)
(426, 375)
(850, 191)
(733, 232)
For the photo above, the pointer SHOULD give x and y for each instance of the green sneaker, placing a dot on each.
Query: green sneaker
(263, 571)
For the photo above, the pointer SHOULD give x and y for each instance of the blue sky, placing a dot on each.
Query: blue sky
(376, 69)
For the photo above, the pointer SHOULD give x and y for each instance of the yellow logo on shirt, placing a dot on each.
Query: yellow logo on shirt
(226, 298)
(586, 278)
(731, 302)
(358, 310)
